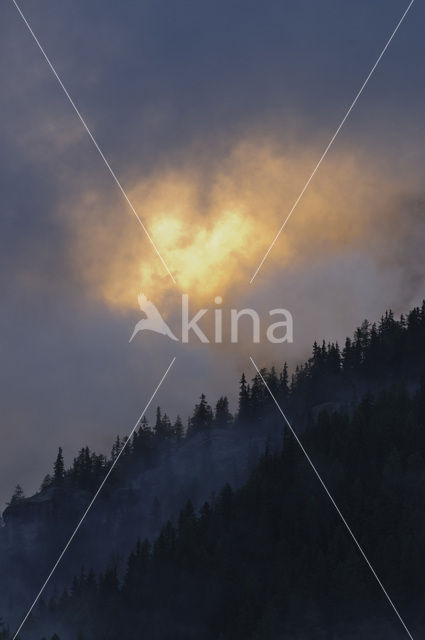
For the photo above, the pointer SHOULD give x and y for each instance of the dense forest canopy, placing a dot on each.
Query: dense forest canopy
(271, 559)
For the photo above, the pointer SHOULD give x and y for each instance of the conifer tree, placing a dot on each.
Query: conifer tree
(222, 415)
(178, 429)
(17, 495)
(202, 416)
(59, 469)
(244, 404)
(284, 382)
(158, 422)
(47, 482)
(116, 448)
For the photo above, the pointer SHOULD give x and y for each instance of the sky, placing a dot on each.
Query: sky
(213, 116)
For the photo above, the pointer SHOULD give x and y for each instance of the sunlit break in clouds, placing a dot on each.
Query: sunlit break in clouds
(212, 223)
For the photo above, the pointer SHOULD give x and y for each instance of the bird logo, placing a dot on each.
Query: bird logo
(153, 320)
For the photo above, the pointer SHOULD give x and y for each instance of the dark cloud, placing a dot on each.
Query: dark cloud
(156, 81)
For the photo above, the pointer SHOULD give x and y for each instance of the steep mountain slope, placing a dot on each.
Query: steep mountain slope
(215, 575)
(273, 559)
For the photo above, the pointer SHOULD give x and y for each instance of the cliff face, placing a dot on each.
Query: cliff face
(39, 506)
(27, 518)
(22, 521)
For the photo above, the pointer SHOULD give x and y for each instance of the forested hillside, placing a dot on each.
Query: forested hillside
(271, 559)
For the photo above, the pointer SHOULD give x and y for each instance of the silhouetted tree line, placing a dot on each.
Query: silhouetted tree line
(378, 354)
(272, 560)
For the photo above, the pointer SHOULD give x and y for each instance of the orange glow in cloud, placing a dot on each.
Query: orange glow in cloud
(212, 225)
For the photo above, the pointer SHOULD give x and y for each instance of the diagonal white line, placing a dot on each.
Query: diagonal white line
(83, 122)
(322, 157)
(332, 500)
(111, 468)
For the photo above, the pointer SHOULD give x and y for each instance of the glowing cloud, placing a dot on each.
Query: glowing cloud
(213, 222)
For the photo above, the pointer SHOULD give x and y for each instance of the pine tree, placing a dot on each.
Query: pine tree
(178, 429)
(47, 482)
(272, 382)
(108, 583)
(17, 495)
(283, 391)
(158, 422)
(222, 415)
(166, 428)
(244, 401)
(59, 469)
(202, 416)
(116, 448)
(259, 397)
